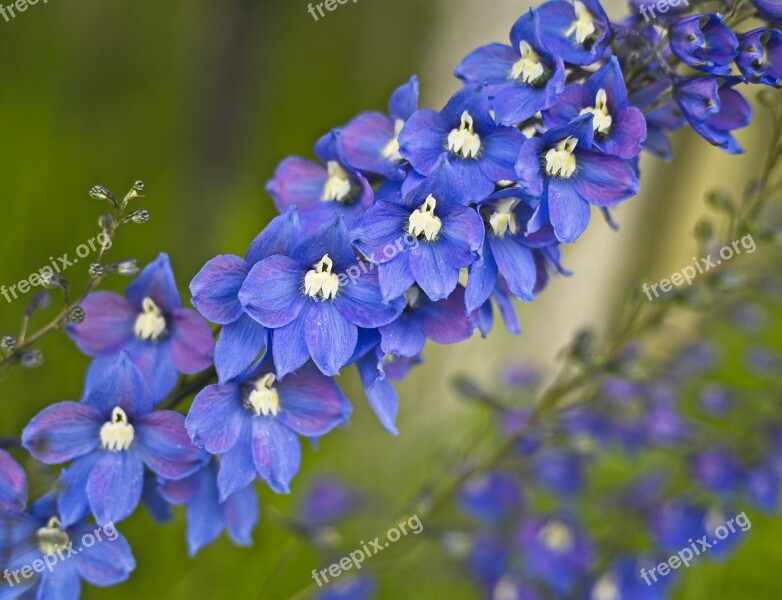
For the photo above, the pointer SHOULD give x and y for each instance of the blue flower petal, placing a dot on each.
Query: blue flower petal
(311, 404)
(216, 288)
(276, 453)
(330, 337)
(114, 485)
(63, 431)
(240, 344)
(216, 417)
(156, 281)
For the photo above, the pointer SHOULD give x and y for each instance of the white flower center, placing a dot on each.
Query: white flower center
(391, 151)
(51, 538)
(117, 435)
(412, 296)
(601, 118)
(424, 222)
(503, 219)
(320, 281)
(264, 399)
(606, 589)
(464, 141)
(337, 187)
(557, 537)
(505, 590)
(528, 69)
(560, 161)
(150, 324)
(583, 26)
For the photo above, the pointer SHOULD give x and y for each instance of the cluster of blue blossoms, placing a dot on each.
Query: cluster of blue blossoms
(413, 226)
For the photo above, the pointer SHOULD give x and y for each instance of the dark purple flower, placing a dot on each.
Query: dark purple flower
(619, 129)
(425, 238)
(149, 324)
(480, 151)
(315, 300)
(110, 436)
(253, 423)
(704, 43)
(578, 33)
(560, 169)
(319, 191)
(760, 56)
(216, 290)
(206, 515)
(713, 110)
(13, 484)
(370, 142)
(769, 9)
(522, 78)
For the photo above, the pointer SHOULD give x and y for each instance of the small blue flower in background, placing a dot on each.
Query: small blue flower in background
(149, 324)
(207, 516)
(559, 470)
(491, 497)
(315, 300)
(480, 151)
(29, 537)
(13, 484)
(619, 129)
(704, 42)
(561, 170)
(327, 501)
(425, 238)
(359, 587)
(253, 423)
(760, 56)
(110, 436)
(716, 470)
(662, 117)
(579, 33)
(522, 78)
(319, 191)
(216, 290)
(370, 142)
(623, 582)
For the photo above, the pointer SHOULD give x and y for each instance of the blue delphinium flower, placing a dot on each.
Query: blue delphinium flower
(559, 470)
(319, 191)
(760, 56)
(522, 78)
(619, 129)
(315, 300)
(716, 470)
(480, 151)
(358, 587)
(206, 515)
(216, 290)
(13, 484)
(28, 539)
(713, 109)
(110, 435)
(370, 142)
(327, 501)
(704, 43)
(371, 363)
(560, 168)
(579, 33)
(253, 423)
(662, 117)
(492, 497)
(424, 239)
(622, 582)
(769, 9)
(507, 249)
(162, 338)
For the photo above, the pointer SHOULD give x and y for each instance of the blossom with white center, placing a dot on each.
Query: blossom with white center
(264, 399)
(606, 589)
(464, 141)
(560, 161)
(337, 187)
(601, 118)
(320, 281)
(503, 219)
(391, 151)
(557, 537)
(424, 222)
(117, 435)
(528, 69)
(51, 538)
(150, 323)
(583, 26)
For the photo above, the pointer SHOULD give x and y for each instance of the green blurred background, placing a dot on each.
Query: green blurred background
(201, 99)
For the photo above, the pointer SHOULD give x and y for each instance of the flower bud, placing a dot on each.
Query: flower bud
(139, 217)
(127, 267)
(31, 359)
(137, 191)
(8, 343)
(76, 314)
(39, 301)
(52, 281)
(105, 222)
(95, 270)
(99, 192)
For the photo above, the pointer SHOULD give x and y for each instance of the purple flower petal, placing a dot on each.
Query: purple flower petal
(363, 142)
(403, 337)
(395, 277)
(491, 64)
(114, 485)
(289, 346)
(156, 281)
(501, 147)
(311, 404)
(216, 416)
(432, 273)
(446, 322)
(192, 342)
(240, 344)
(237, 469)
(516, 265)
(603, 180)
(72, 503)
(404, 101)
(362, 304)
(568, 212)
(107, 326)
(106, 563)
(423, 140)
(481, 280)
(330, 337)
(165, 446)
(272, 293)
(216, 288)
(13, 484)
(297, 182)
(155, 361)
(121, 384)
(379, 228)
(62, 432)
(241, 513)
(280, 236)
(276, 453)
(381, 395)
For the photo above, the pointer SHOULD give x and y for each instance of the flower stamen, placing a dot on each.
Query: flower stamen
(391, 150)
(583, 26)
(464, 141)
(560, 161)
(503, 218)
(601, 118)
(51, 538)
(337, 187)
(528, 69)
(150, 323)
(424, 222)
(320, 281)
(264, 399)
(117, 435)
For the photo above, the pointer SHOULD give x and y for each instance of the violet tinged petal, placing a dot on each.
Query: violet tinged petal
(192, 342)
(381, 395)
(215, 288)
(297, 182)
(472, 99)
(155, 362)
(332, 238)
(395, 277)
(432, 273)
(481, 279)
(475, 185)
(120, 384)
(62, 432)
(403, 337)
(446, 322)
(107, 326)
(114, 485)
(528, 167)
(237, 469)
(13, 484)
(205, 519)
(311, 404)
(241, 512)
(516, 265)
(62, 583)
(289, 346)
(573, 99)
(360, 301)
(240, 344)
(379, 228)
(501, 148)
(518, 102)
(364, 141)
(330, 337)
(106, 563)
(568, 212)
(463, 232)
(404, 101)
(156, 281)
(165, 446)
(491, 64)
(216, 417)
(72, 502)
(272, 293)
(276, 453)
(627, 134)
(423, 140)
(603, 180)
(280, 236)
(16, 528)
